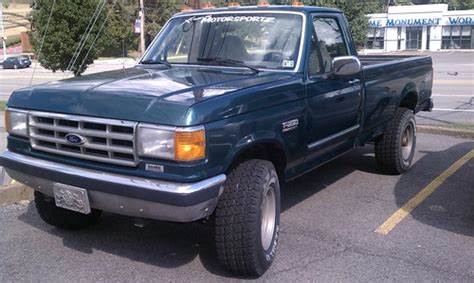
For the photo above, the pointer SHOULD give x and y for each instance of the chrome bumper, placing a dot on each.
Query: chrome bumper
(127, 195)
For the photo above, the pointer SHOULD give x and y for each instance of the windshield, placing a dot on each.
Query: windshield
(263, 40)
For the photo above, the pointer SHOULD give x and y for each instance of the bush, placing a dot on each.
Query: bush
(13, 40)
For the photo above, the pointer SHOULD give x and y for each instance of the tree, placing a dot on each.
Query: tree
(460, 4)
(356, 13)
(118, 36)
(68, 23)
(453, 4)
(156, 16)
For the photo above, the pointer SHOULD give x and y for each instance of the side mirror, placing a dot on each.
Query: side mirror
(346, 66)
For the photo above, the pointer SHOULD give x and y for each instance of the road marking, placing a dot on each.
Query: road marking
(406, 209)
(453, 110)
(453, 82)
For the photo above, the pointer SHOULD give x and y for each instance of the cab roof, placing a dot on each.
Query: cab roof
(306, 9)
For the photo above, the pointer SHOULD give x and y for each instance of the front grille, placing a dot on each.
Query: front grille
(105, 140)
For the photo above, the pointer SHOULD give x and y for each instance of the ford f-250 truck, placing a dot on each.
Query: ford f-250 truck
(224, 106)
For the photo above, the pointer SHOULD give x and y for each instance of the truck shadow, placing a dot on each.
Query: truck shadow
(171, 245)
(451, 206)
(296, 191)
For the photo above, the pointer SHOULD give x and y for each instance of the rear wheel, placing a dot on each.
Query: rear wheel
(60, 217)
(248, 217)
(395, 150)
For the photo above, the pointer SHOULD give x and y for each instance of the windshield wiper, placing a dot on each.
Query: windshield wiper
(228, 62)
(155, 62)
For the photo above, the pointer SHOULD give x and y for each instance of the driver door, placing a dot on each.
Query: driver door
(333, 101)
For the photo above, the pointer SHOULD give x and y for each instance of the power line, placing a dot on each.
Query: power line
(42, 41)
(76, 55)
(97, 36)
(85, 35)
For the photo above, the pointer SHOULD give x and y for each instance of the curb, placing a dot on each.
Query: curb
(467, 134)
(13, 193)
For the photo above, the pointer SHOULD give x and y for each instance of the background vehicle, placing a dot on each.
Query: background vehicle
(225, 105)
(17, 62)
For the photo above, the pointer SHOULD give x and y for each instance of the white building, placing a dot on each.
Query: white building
(421, 27)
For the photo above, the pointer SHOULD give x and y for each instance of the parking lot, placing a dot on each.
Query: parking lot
(453, 89)
(343, 222)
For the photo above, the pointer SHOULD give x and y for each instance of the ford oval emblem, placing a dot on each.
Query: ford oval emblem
(75, 139)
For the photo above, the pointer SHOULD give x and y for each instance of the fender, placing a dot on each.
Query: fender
(409, 88)
(256, 139)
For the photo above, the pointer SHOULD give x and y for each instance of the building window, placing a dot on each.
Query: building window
(457, 37)
(376, 37)
(413, 38)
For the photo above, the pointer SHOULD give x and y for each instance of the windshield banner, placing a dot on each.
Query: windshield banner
(257, 19)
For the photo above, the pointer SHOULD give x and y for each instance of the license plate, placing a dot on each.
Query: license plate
(72, 198)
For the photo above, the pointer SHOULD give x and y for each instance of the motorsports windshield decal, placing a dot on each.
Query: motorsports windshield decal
(256, 19)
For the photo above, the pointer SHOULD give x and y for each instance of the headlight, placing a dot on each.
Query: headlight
(15, 122)
(181, 144)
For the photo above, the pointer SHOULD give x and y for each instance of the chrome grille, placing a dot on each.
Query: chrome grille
(106, 140)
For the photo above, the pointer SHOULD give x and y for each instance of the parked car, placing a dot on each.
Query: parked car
(16, 62)
(224, 106)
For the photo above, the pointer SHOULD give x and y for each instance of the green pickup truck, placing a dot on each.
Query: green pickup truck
(224, 106)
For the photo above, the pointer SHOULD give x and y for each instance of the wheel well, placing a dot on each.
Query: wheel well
(266, 151)
(410, 100)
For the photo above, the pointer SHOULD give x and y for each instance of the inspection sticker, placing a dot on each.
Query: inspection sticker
(288, 63)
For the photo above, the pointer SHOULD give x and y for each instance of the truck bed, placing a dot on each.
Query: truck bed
(388, 79)
(368, 60)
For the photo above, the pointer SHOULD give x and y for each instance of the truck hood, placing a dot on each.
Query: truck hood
(153, 95)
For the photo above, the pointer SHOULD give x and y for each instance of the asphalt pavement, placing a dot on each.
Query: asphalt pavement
(453, 90)
(328, 230)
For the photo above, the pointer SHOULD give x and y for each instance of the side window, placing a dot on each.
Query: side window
(314, 58)
(330, 41)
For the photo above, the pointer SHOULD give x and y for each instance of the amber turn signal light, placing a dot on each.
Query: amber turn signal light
(297, 4)
(208, 5)
(186, 8)
(190, 146)
(232, 3)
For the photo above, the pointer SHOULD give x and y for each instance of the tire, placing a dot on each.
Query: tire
(63, 218)
(395, 150)
(15, 66)
(251, 198)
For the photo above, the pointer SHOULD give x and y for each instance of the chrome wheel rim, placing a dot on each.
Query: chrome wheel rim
(268, 210)
(407, 142)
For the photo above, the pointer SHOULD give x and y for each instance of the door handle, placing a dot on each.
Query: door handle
(354, 82)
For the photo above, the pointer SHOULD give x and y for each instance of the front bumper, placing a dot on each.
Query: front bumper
(127, 195)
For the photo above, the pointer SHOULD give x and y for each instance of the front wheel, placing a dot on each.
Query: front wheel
(248, 218)
(395, 150)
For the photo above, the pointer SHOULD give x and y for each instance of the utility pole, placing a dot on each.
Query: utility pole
(3, 32)
(142, 27)
(195, 4)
